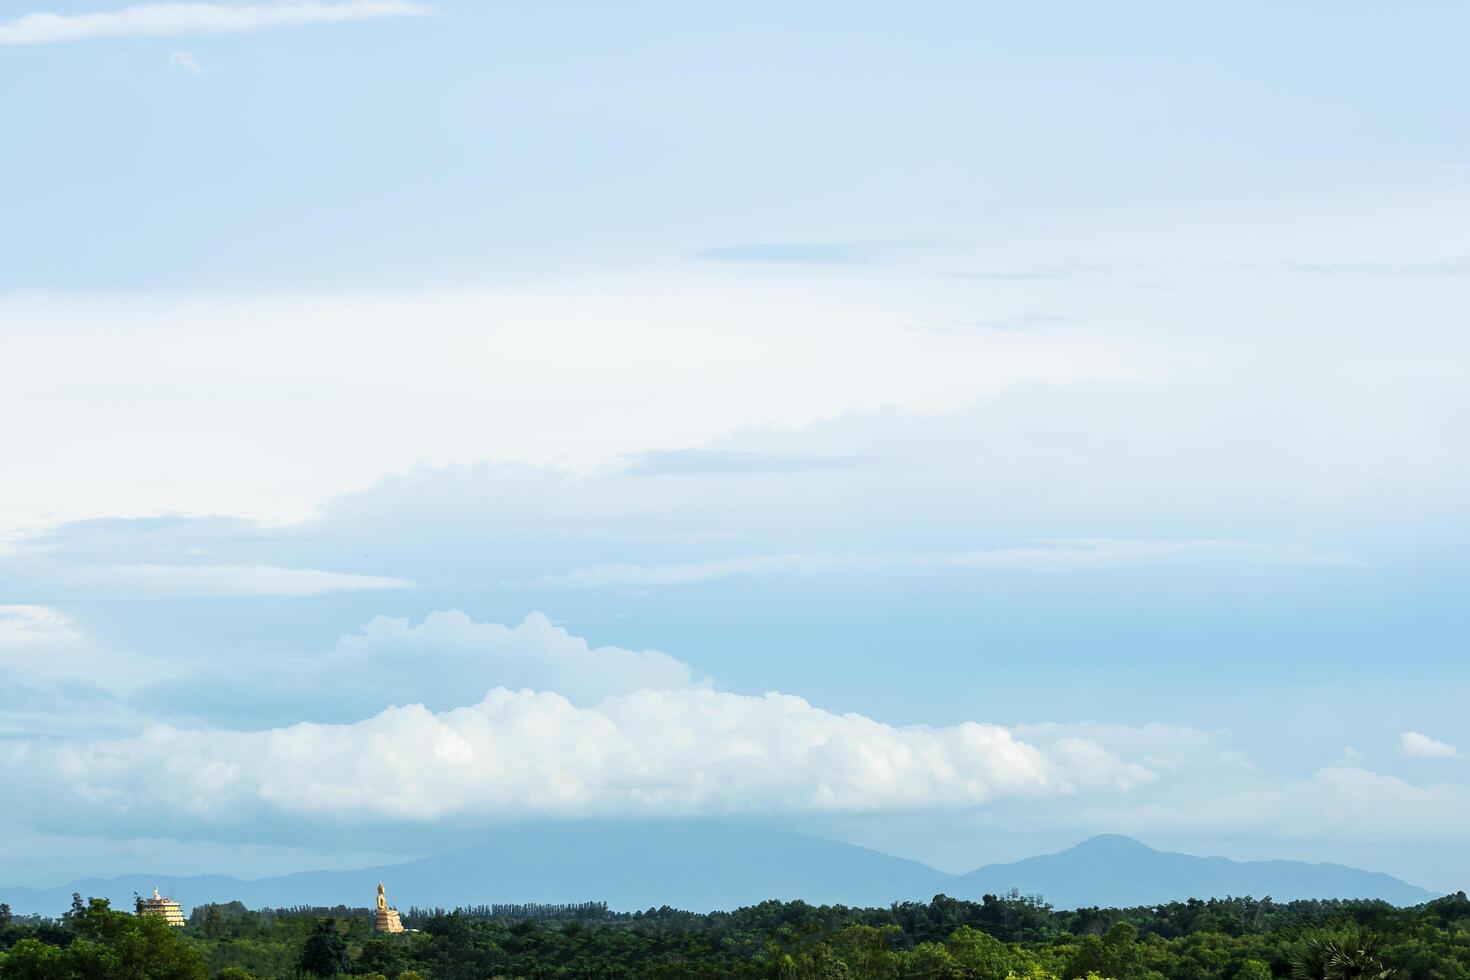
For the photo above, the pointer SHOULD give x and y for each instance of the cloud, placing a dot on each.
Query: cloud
(175, 19)
(1452, 266)
(598, 372)
(478, 656)
(806, 253)
(184, 60)
(527, 753)
(160, 580)
(1162, 748)
(700, 462)
(33, 626)
(1417, 746)
(1064, 555)
(33, 705)
(1341, 802)
(52, 676)
(439, 663)
(1069, 270)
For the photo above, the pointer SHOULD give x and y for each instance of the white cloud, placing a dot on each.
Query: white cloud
(32, 626)
(441, 662)
(1163, 748)
(448, 654)
(1340, 803)
(572, 377)
(153, 580)
(175, 19)
(53, 677)
(528, 753)
(1418, 746)
(184, 60)
(1052, 556)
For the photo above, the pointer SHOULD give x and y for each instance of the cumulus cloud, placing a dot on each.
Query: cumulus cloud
(526, 753)
(442, 662)
(1070, 555)
(1417, 746)
(174, 19)
(448, 654)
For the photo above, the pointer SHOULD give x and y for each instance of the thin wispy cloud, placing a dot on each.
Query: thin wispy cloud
(702, 462)
(177, 19)
(806, 253)
(1453, 266)
(28, 625)
(1049, 556)
(185, 61)
(167, 580)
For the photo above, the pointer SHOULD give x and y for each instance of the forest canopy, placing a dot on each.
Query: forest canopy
(1011, 937)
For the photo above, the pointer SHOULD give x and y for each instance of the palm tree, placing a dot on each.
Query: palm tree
(1350, 953)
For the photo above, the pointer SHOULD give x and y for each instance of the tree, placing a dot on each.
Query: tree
(981, 954)
(325, 952)
(930, 961)
(5, 916)
(214, 923)
(31, 959)
(1253, 970)
(864, 950)
(1032, 972)
(380, 956)
(1352, 953)
(108, 945)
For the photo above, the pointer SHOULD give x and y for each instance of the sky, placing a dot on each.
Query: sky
(959, 429)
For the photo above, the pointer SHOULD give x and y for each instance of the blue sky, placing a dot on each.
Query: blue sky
(1062, 409)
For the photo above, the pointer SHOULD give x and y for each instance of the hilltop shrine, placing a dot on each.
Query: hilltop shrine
(166, 908)
(387, 919)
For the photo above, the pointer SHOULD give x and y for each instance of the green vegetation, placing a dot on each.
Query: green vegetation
(1000, 938)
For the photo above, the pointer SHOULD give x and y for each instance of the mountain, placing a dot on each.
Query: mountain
(701, 866)
(1111, 870)
(634, 865)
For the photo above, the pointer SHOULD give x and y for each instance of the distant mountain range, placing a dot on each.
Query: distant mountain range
(702, 866)
(1120, 872)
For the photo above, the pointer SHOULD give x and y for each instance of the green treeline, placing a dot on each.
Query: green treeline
(999, 938)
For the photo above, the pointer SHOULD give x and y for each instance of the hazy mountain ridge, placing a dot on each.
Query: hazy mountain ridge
(704, 866)
(1112, 870)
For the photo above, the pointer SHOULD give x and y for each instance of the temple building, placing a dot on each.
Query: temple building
(387, 919)
(165, 907)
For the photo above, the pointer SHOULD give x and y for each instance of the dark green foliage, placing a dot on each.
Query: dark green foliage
(1349, 953)
(104, 945)
(1000, 938)
(324, 954)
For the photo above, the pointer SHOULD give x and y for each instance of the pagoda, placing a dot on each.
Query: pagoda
(387, 919)
(165, 908)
